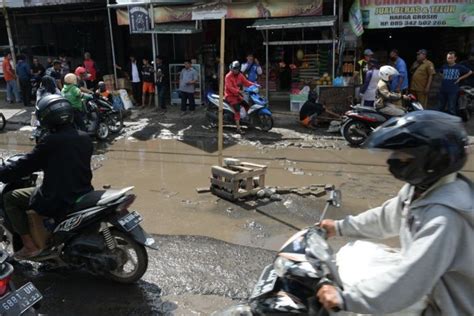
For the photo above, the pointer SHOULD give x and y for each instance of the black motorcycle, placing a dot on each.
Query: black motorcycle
(3, 122)
(359, 122)
(466, 102)
(13, 301)
(113, 118)
(99, 234)
(302, 266)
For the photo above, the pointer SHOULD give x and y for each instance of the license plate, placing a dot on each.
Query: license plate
(19, 301)
(130, 221)
(266, 282)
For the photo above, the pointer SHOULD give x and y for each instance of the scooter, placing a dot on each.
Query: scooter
(466, 102)
(13, 301)
(99, 234)
(3, 122)
(255, 110)
(303, 265)
(96, 123)
(113, 118)
(358, 123)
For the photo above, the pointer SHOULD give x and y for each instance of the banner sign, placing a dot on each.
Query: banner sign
(379, 14)
(355, 19)
(139, 19)
(245, 10)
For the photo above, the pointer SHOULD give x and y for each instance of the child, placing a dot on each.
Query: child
(148, 82)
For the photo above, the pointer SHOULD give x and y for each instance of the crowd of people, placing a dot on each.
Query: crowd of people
(416, 80)
(33, 73)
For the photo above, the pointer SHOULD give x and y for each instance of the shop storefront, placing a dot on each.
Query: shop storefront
(295, 47)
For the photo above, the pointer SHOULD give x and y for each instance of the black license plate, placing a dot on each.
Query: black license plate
(130, 221)
(19, 301)
(266, 282)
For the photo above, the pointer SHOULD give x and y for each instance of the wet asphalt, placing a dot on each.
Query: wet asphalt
(183, 265)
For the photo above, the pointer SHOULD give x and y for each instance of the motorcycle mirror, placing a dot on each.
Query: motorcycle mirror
(336, 198)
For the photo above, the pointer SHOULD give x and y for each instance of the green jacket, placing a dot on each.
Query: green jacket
(74, 95)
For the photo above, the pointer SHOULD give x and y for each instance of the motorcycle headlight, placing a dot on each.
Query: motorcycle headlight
(318, 247)
(281, 265)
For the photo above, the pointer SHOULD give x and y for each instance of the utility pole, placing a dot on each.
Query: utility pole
(10, 37)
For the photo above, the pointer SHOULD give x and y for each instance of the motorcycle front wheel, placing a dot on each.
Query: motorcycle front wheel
(3, 122)
(355, 132)
(133, 256)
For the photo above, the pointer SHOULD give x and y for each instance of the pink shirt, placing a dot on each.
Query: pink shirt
(90, 67)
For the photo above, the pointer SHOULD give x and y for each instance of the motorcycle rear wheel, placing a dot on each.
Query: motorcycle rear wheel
(138, 262)
(102, 131)
(115, 122)
(266, 122)
(3, 121)
(353, 131)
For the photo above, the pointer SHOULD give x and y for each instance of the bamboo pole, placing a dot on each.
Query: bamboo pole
(220, 132)
(10, 38)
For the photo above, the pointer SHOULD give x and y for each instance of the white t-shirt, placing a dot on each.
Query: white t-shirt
(135, 75)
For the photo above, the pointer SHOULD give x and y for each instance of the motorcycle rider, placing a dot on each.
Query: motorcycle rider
(234, 81)
(64, 155)
(74, 95)
(385, 99)
(82, 77)
(433, 214)
(47, 87)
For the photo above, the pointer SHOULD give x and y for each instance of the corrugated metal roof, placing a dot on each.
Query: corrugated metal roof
(40, 3)
(293, 22)
(175, 28)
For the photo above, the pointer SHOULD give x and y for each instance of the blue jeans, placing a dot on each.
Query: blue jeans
(160, 89)
(448, 102)
(12, 91)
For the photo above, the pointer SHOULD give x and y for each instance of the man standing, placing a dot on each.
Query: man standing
(55, 72)
(399, 83)
(161, 79)
(452, 74)
(134, 74)
(187, 79)
(23, 71)
(37, 70)
(89, 64)
(362, 67)
(148, 82)
(10, 79)
(422, 72)
(252, 69)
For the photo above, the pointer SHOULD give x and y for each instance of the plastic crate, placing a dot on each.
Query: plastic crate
(295, 106)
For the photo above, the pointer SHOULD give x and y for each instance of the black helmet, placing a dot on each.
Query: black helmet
(435, 141)
(101, 86)
(53, 111)
(235, 65)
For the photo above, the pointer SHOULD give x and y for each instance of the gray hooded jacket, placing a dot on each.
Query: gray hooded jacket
(437, 243)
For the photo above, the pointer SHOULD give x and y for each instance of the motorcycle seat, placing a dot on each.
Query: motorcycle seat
(365, 108)
(99, 197)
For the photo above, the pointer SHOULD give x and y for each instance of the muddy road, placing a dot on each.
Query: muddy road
(211, 251)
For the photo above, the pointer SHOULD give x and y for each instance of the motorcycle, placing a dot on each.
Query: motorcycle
(3, 122)
(466, 102)
(13, 301)
(254, 108)
(99, 233)
(303, 265)
(358, 123)
(101, 118)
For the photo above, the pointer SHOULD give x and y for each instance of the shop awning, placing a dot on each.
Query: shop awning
(294, 22)
(175, 28)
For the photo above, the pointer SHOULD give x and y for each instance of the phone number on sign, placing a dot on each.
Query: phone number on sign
(414, 23)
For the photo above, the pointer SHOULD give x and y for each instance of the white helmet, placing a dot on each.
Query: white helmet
(386, 71)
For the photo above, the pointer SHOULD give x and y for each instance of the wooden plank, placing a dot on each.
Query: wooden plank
(249, 164)
(246, 193)
(223, 194)
(249, 174)
(240, 168)
(203, 190)
(222, 184)
(249, 184)
(223, 172)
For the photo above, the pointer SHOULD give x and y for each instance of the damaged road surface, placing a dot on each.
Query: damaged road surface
(189, 275)
(211, 250)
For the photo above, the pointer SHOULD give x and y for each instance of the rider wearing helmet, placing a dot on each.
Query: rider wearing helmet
(433, 214)
(82, 76)
(102, 90)
(64, 155)
(385, 99)
(234, 81)
(74, 95)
